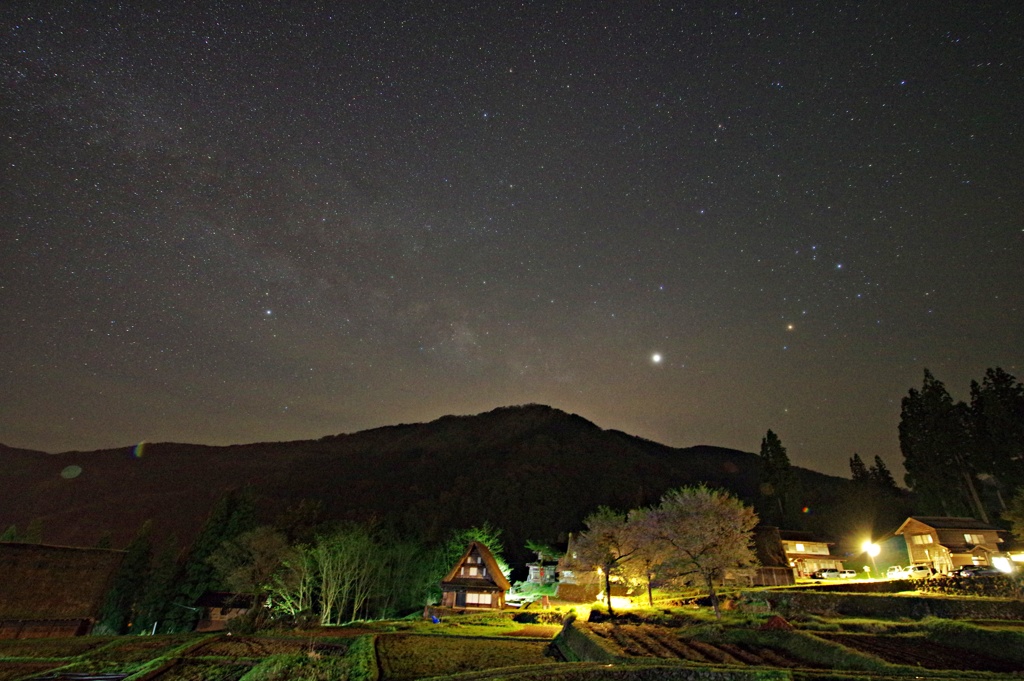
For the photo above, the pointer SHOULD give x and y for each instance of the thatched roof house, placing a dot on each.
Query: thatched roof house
(50, 591)
(476, 581)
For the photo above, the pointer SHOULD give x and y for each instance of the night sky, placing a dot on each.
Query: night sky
(238, 222)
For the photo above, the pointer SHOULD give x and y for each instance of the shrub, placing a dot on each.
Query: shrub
(362, 659)
(992, 586)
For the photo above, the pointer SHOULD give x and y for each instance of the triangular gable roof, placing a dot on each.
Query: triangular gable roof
(494, 573)
(946, 523)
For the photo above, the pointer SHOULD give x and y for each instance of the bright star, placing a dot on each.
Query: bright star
(656, 358)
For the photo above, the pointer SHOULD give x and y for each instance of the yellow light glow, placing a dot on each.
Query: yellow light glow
(621, 603)
(1002, 564)
(870, 548)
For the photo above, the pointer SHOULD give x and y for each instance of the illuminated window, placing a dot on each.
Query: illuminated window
(472, 572)
(478, 599)
(922, 539)
(974, 538)
(799, 547)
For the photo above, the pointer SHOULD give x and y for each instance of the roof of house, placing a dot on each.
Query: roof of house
(947, 523)
(495, 578)
(224, 599)
(800, 535)
(54, 582)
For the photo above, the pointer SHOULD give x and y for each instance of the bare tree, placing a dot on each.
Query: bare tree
(608, 543)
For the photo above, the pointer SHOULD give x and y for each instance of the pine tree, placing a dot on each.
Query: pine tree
(234, 514)
(776, 473)
(120, 604)
(997, 428)
(858, 470)
(881, 477)
(154, 602)
(935, 442)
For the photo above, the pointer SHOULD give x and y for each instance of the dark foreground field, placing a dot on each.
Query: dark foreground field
(658, 645)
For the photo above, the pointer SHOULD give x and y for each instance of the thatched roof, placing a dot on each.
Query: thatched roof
(494, 579)
(54, 582)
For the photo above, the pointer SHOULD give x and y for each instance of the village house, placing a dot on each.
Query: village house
(577, 582)
(221, 606)
(773, 568)
(948, 543)
(476, 581)
(53, 591)
(807, 554)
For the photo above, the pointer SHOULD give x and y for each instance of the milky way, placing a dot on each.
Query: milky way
(235, 224)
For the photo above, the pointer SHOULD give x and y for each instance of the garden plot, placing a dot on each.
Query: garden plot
(646, 640)
(411, 656)
(918, 651)
(203, 670)
(260, 647)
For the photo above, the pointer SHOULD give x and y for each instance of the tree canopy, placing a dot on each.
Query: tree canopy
(706, 532)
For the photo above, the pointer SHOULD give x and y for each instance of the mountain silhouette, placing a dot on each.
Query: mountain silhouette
(532, 470)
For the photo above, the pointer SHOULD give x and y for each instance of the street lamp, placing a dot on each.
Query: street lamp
(872, 549)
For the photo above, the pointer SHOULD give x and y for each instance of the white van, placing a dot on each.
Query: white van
(918, 571)
(896, 572)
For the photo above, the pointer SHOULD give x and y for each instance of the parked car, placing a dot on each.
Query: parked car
(977, 571)
(896, 572)
(827, 573)
(848, 574)
(919, 571)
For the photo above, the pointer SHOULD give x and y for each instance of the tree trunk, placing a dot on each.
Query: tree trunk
(975, 499)
(713, 596)
(608, 591)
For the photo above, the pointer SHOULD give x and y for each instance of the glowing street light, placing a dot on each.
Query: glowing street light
(872, 549)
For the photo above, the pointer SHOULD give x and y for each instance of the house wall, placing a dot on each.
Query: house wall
(473, 598)
(812, 547)
(929, 546)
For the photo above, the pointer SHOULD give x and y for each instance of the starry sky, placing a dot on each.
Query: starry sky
(233, 222)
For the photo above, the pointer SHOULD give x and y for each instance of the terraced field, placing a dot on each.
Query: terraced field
(920, 652)
(653, 641)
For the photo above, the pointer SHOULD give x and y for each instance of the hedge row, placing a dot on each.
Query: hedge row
(993, 586)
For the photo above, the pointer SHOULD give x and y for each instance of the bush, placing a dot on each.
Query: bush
(362, 659)
(992, 586)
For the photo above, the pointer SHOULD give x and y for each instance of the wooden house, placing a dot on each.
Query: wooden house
(807, 553)
(949, 543)
(476, 581)
(772, 567)
(53, 591)
(219, 607)
(577, 582)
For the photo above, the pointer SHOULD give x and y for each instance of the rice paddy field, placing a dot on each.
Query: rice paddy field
(659, 644)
